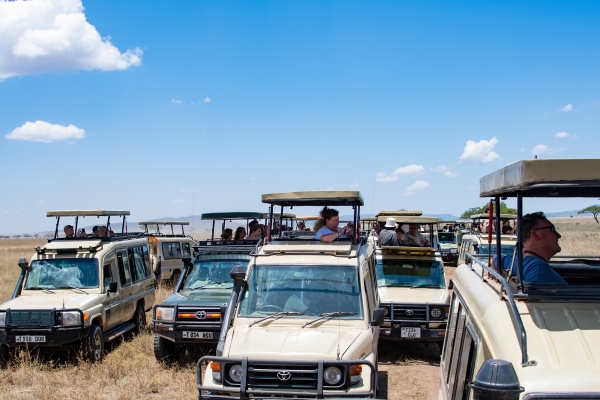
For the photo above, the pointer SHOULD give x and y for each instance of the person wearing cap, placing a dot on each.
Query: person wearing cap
(388, 237)
(69, 231)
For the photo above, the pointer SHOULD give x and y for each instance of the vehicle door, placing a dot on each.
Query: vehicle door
(123, 300)
(171, 257)
(140, 275)
(109, 274)
(371, 296)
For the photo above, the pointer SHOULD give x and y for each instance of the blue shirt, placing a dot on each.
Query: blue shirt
(535, 270)
(326, 231)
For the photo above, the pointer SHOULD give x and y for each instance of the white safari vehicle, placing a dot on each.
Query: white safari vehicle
(304, 322)
(475, 242)
(412, 287)
(79, 293)
(509, 339)
(167, 249)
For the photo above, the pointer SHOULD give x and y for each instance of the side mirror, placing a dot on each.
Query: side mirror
(23, 264)
(187, 259)
(238, 273)
(378, 315)
(112, 287)
(450, 284)
(496, 379)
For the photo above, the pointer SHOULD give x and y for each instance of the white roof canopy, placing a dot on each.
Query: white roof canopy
(86, 213)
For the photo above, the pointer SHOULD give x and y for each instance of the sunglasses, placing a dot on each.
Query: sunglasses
(552, 228)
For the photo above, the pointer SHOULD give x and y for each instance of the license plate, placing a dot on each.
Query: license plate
(197, 335)
(410, 332)
(30, 339)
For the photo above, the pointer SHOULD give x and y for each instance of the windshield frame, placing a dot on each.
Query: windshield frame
(197, 262)
(74, 260)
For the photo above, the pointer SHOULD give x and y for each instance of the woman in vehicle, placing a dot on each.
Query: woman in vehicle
(254, 233)
(506, 229)
(226, 235)
(327, 227)
(240, 233)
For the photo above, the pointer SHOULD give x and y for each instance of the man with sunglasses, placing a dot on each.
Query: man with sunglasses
(540, 243)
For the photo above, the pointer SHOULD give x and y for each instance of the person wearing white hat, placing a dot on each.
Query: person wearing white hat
(388, 237)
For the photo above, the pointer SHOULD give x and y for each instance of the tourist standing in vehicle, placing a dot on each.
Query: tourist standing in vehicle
(506, 229)
(540, 243)
(413, 237)
(327, 226)
(400, 235)
(388, 237)
(69, 232)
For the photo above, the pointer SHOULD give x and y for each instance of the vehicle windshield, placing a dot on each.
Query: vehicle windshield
(410, 273)
(63, 272)
(447, 237)
(207, 274)
(308, 289)
(504, 248)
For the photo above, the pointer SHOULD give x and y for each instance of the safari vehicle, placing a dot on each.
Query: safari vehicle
(412, 287)
(192, 315)
(511, 339)
(167, 250)
(447, 243)
(80, 293)
(304, 320)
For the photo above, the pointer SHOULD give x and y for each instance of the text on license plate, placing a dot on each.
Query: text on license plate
(410, 332)
(197, 335)
(30, 339)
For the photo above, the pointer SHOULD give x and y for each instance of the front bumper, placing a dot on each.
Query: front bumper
(192, 319)
(449, 257)
(426, 334)
(300, 379)
(415, 316)
(174, 332)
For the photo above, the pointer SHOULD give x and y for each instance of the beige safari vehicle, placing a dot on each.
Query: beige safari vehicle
(515, 340)
(474, 242)
(412, 287)
(167, 249)
(79, 293)
(304, 320)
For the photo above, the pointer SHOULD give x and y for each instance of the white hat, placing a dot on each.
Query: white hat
(390, 223)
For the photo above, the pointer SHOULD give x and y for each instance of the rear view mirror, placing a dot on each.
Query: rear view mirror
(112, 287)
(378, 315)
(450, 284)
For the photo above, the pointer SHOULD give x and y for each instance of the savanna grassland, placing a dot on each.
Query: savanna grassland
(130, 371)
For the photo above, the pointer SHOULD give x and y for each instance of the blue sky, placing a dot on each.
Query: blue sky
(381, 97)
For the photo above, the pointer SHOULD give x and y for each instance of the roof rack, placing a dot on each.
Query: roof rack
(87, 213)
(314, 198)
(147, 224)
(225, 246)
(408, 250)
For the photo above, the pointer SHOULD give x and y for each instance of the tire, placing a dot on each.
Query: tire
(164, 350)
(4, 356)
(139, 320)
(92, 347)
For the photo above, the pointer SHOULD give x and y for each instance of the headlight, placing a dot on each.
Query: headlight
(165, 313)
(2, 318)
(235, 373)
(332, 375)
(70, 318)
(435, 313)
(453, 250)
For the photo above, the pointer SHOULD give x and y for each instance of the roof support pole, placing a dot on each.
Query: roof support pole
(107, 227)
(56, 230)
(498, 236)
(355, 222)
(212, 234)
(280, 221)
(123, 226)
(520, 241)
(270, 226)
(76, 223)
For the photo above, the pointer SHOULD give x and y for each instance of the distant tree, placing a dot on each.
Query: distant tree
(592, 210)
(504, 209)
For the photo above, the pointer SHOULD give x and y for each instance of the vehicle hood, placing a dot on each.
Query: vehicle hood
(44, 301)
(294, 343)
(203, 297)
(448, 246)
(402, 294)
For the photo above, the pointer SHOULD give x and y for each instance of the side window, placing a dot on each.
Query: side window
(147, 260)
(138, 264)
(107, 276)
(124, 272)
(171, 250)
(185, 248)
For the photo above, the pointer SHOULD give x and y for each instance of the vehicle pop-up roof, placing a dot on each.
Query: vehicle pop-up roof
(236, 216)
(391, 213)
(87, 213)
(411, 219)
(147, 224)
(330, 198)
(485, 216)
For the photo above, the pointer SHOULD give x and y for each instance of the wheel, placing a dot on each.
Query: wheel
(164, 350)
(266, 307)
(3, 354)
(92, 347)
(139, 319)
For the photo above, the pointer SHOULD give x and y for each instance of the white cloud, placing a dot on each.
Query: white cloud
(47, 35)
(567, 108)
(418, 185)
(176, 101)
(441, 168)
(41, 131)
(354, 185)
(544, 149)
(450, 174)
(480, 152)
(561, 135)
(207, 99)
(412, 169)
(386, 178)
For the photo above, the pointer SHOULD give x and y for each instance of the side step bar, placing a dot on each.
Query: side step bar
(118, 331)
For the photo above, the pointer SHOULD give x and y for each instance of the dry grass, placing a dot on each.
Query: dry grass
(580, 236)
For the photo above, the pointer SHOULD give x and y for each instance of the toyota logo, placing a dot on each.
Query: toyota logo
(201, 314)
(284, 375)
(409, 312)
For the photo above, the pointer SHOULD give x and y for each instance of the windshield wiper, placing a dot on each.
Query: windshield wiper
(71, 287)
(402, 284)
(431, 285)
(210, 283)
(40, 288)
(277, 315)
(330, 315)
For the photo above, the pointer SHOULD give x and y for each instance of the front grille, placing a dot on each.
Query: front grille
(266, 376)
(31, 319)
(203, 315)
